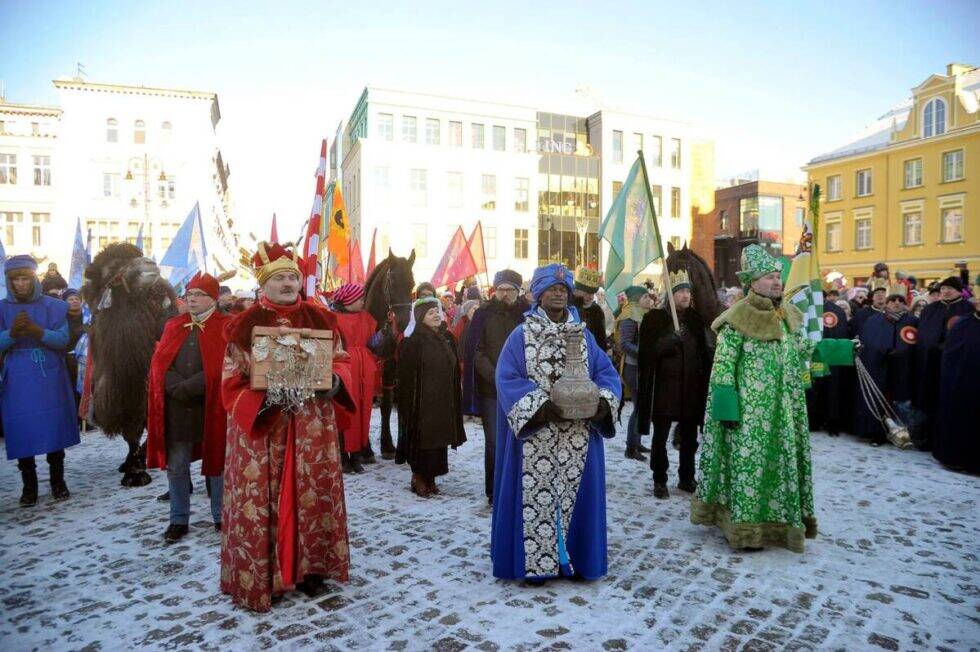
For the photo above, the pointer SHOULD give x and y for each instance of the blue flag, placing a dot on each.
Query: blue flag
(79, 259)
(188, 253)
(139, 240)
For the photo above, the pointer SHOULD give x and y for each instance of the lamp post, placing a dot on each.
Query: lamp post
(142, 167)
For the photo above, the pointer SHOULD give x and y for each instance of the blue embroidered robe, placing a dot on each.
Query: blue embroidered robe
(549, 493)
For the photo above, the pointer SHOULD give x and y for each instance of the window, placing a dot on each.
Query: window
(863, 182)
(386, 126)
(616, 187)
(8, 220)
(166, 130)
(384, 237)
(111, 131)
(617, 146)
(723, 220)
(139, 132)
(499, 138)
(8, 169)
(110, 185)
(862, 233)
(934, 118)
(35, 129)
(490, 241)
(420, 240)
(418, 188)
(520, 140)
(656, 151)
(37, 219)
(382, 183)
(432, 129)
(520, 244)
(488, 192)
(171, 187)
(912, 228)
(800, 215)
(409, 129)
(675, 240)
(834, 188)
(455, 134)
(637, 142)
(762, 218)
(675, 202)
(952, 224)
(522, 191)
(675, 153)
(3, 127)
(833, 236)
(454, 188)
(913, 173)
(658, 197)
(953, 165)
(42, 170)
(477, 141)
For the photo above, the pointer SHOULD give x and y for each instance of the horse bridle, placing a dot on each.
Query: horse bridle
(386, 288)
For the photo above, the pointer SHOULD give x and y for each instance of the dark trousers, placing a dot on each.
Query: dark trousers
(488, 414)
(687, 430)
(55, 459)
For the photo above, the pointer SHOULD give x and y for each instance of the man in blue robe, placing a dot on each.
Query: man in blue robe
(36, 398)
(549, 492)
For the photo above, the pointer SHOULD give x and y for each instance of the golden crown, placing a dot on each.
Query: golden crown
(589, 277)
(680, 277)
(898, 289)
(877, 284)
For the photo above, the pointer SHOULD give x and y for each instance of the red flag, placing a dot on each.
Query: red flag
(353, 270)
(477, 250)
(371, 258)
(274, 235)
(311, 244)
(456, 264)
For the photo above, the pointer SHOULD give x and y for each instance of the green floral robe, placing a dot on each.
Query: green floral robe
(756, 480)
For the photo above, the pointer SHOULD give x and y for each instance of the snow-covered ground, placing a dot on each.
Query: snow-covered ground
(895, 567)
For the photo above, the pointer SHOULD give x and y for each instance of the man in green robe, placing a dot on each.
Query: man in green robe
(756, 477)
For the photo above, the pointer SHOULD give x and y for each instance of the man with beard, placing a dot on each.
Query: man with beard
(488, 331)
(587, 282)
(674, 368)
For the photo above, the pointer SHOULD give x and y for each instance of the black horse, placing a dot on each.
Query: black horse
(388, 294)
(705, 292)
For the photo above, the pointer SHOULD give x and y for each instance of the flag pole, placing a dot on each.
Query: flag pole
(660, 244)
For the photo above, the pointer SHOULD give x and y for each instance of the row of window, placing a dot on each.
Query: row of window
(166, 188)
(952, 168)
(454, 135)
(418, 185)
(10, 127)
(139, 131)
(8, 169)
(420, 240)
(950, 229)
(657, 191)
(9, 220)
(655, 152)
(108, 231)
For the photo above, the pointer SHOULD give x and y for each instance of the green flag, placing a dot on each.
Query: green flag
(631, 230)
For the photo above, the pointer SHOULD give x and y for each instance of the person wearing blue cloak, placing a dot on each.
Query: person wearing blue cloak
(549, 489)
(36, 398)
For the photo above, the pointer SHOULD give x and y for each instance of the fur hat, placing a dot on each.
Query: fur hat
(270, 259)
(23, 261)
(952, 282)
(206, 284)
(507, 277)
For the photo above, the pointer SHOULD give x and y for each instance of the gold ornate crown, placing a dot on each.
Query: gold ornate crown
(898, 288)
(588, 278)
(877, 284)
(679, 280)
(272, 259)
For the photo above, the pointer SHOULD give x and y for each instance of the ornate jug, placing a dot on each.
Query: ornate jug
(574, 393)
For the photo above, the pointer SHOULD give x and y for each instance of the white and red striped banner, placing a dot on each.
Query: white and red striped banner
(311, 244)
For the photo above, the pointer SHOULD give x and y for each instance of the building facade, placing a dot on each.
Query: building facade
(907, 192)
(417, 166)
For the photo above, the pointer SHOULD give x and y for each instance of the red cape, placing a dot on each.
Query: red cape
(356, 330)
(212, 346)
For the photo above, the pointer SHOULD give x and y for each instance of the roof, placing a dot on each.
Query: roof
(82, 85)
(875, 136)
(28, 109)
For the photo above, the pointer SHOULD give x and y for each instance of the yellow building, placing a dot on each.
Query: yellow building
(908, 192)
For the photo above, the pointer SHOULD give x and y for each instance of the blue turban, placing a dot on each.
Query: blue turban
(549, 276)
(23, 261)
(509, 277)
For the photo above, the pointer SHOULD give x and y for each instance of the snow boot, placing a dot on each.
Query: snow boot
(56, 469)
(28, 497)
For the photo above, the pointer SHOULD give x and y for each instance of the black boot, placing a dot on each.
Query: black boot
(690, 486)
(355, 463)
(175, 533)
(56, 468)
(367, 455)
(634, 454)
(28, 496)
(345, 462)
(660, 490)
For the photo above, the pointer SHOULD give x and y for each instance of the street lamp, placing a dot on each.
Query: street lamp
(144, 172)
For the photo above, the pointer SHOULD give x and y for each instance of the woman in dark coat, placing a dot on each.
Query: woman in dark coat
(428, 376)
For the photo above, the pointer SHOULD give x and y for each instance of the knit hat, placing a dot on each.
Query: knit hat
(270, 259)
(23, 261)
(756, 263)
(548, 277)
(348, 294)
(508, 277)
(419, 309)
(635, 292)
(425, 287)
(206, 284)
(952, 282)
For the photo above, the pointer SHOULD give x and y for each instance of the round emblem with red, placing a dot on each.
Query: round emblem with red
(909, 334)
(829, 319)
(952, 322)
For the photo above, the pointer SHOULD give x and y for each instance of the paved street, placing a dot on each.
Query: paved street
(895, 567)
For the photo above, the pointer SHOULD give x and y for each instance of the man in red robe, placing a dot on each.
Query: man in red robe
(285, 520)
(357, 327)
(186, 419)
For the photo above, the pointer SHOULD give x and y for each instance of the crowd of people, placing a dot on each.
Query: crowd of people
(742, 389)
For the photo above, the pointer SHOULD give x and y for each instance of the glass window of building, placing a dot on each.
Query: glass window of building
(913, 173)
(934, 118)
(912, 228)
(488, 192)
(37, 219)
(382, 183)
(520, 140)
(952, 224)
(455, 134)
(420, 240)
(111, 131)
(833, 236)
(520, 244)
(35, 128)
(454, 189)
(637, 142)
(834, 189)
(418, 187)
(675, 153)
(166, 129)
(139, 132)
(522, 192)
(723, 220)
(8, 220)
(410, 129)
(800, 215)
(658, 197)
(432, 129)
(862, 233)
(490, 241)
(477, 141)
(386, 126)
(499, 138)
(953, 165)
(42, 170)
(675, 202)
(862, 179)
(656, 151)
(617, 145)
(761, 219)
(8, 169)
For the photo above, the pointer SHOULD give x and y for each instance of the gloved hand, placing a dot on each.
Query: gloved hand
(547, 413)
(602, 411)
(730, 425)
(24, 327)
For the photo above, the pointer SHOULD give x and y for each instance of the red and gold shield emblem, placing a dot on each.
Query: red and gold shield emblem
(829, 319)
(909, 334)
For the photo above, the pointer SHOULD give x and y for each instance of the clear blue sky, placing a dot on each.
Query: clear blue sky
(773, 83)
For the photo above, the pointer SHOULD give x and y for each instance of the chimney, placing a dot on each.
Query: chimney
(957, 69)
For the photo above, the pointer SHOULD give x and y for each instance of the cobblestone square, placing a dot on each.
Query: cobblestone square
(895, 567)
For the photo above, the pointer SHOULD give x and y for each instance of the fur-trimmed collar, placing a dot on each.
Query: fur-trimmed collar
(754, 316)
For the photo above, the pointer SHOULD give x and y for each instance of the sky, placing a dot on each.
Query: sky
(772, 83)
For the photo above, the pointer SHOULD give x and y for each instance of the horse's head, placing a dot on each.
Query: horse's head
(389, 288)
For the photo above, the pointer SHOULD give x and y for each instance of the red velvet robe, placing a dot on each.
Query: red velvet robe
(356, 328)
(283, 512)
(212, 346)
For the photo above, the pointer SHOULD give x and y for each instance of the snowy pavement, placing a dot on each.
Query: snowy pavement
(895, 567)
